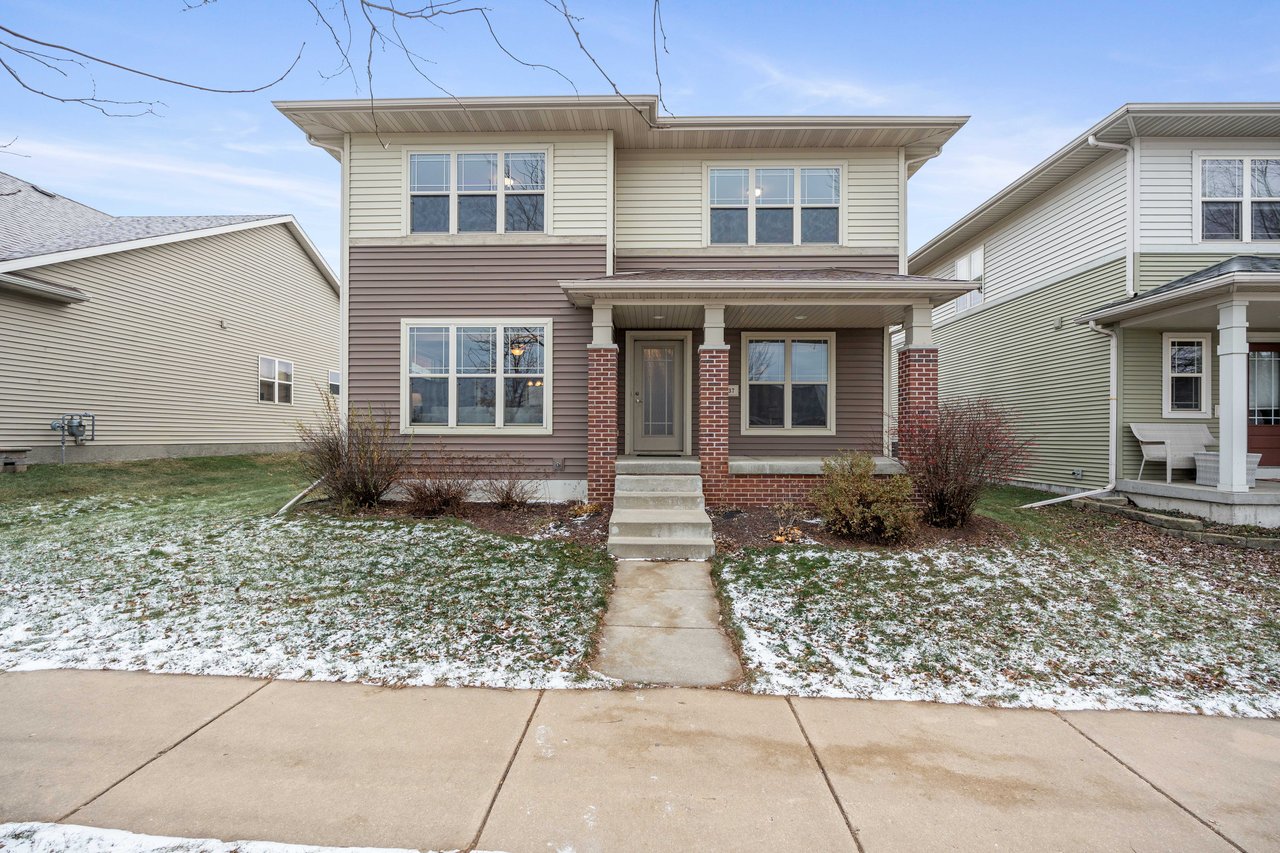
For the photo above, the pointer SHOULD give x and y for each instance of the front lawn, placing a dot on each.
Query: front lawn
(1063, 609)
(178, 566)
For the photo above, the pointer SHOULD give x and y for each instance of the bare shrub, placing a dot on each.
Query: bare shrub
(974, 445)
(508, 483)
(788, 515)
(854, 502)
(442, 483)
(356, 461)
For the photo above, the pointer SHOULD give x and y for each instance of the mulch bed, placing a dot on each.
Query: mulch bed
(755, 527)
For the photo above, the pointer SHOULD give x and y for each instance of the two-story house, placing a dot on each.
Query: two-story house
(1130, 285)
(609, 293)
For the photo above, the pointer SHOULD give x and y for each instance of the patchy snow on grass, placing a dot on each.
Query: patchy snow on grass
(177, 587)
(1032, 626)
(59, 838)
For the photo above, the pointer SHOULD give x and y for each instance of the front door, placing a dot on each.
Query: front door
(657, 404)
(1264, 402)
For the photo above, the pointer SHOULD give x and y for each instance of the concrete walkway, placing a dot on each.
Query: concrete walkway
(663, 769)
(663, 627)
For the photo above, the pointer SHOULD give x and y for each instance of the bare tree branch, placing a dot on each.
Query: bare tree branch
(563, 9)
(659, 28)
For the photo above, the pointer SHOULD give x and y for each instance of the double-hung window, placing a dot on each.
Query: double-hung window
(969, 268)
(335, 382)
(789, 382)
(275, 380)
(1187, 375)
(499, 192)
(774, 205)
(477, 376)
(1240, 198)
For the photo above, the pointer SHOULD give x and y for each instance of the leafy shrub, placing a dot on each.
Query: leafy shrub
(854, 502)
(356, 461)
(507, 483)
(442, 484)
(974, 445)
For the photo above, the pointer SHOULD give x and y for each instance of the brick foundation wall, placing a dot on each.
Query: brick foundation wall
(713, 423)
(917, 392)
(602, 422)
(765, 490)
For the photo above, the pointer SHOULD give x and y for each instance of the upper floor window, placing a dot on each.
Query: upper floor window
(969, 268)
(787, 206)
(468, 192)
(1240, 198)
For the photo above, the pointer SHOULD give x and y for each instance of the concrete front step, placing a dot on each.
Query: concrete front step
(673, 548)
(657, 465)
(660, 523)
(658, 500)
(686, 483)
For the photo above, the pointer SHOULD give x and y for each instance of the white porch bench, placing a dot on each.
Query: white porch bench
(1173, 444)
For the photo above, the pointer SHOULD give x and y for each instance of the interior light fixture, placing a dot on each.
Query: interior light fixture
(802, 316)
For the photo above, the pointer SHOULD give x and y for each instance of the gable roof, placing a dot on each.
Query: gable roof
(1237, 272)
(634, 119)
(1126, 123)
(38, 228)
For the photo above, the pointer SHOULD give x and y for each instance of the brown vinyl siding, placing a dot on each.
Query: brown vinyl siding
(711, 259)
(859, 393)
(389, 283)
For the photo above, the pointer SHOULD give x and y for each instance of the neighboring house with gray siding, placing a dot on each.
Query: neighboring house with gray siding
(183, 335)
(1118, 278)
(588, 284)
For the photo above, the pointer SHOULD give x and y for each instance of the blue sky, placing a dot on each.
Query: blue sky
(1031, 75)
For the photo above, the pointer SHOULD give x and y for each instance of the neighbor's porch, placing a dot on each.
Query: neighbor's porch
(758, 375)
(1203, 351)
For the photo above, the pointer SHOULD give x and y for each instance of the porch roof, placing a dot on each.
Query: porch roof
(1244, 275)
(799, 285)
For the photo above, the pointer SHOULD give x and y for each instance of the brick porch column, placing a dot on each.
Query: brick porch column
(713, 407)
(917, 378)
(602, 407)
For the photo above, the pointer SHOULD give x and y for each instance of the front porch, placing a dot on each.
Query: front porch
(1203, 350)
(756, 374)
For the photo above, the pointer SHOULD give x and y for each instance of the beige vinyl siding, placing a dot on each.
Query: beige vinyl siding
(166, 349)
(389, 283)
(579, 180)
(1029, 354)
(1167, 182)
(859, 400)
(869, 263)
(661, 200)
(1141, 388)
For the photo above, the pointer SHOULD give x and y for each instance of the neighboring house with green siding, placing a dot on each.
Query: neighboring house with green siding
(1131, 278)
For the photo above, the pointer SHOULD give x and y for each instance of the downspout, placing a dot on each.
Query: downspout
(1131, 226)
(1112, 431)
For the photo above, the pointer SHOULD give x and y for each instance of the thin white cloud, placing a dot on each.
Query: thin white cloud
(807, 91)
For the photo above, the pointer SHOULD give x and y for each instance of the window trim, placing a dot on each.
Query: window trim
(744, 397)
(276, 383)
(751, 166)
(1206, 375)
(1246, 200)
(979, 295)
(409, 428)
(406, 202)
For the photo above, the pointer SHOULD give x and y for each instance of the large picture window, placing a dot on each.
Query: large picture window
(774, 205)
(499, 192)
(788, 382)
(1240, 198)
(1187, 371)
(477, 375)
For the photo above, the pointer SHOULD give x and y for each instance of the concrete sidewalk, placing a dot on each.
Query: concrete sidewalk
(438, 768)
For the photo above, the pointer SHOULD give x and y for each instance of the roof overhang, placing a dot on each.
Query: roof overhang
(1128, 122)
(288, 221)
(42, 289)
(1255, 285)
(634, 120)
(637, 290)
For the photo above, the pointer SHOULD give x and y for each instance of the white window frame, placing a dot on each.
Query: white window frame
(501, 151)
(276, 383)
(338, 382)
(795, 166)
(1205, 339)
(744, 407)
(964, 271)
(409, 428)
(1246, 200)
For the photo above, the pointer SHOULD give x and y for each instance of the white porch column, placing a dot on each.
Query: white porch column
(713, 326)
(918, 326)
(602, 325)
(1233, 395)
